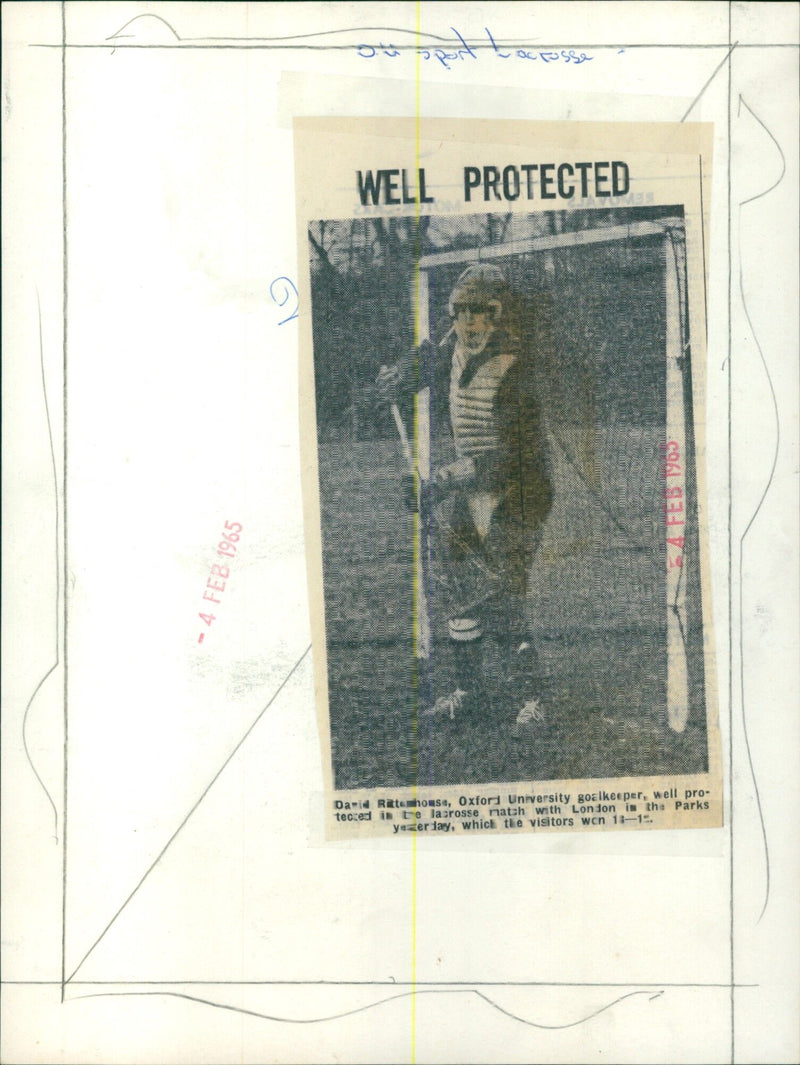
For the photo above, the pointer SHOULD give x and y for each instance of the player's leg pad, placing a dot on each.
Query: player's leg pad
(524, 678)
(458, 674)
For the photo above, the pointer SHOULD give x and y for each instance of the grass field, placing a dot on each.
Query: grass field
(597, 611)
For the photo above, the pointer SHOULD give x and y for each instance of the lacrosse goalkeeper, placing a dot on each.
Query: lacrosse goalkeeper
(496, 492)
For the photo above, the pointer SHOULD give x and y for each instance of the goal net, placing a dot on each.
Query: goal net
(605, 322)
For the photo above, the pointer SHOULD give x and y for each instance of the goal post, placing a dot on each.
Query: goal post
(674, 469)
(423, 449)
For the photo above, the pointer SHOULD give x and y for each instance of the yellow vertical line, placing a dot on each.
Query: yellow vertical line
(416, 589)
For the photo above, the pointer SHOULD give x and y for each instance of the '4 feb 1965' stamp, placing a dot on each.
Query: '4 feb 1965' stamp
(503, 436)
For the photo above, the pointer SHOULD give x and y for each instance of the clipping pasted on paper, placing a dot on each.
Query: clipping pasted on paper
(502, 392)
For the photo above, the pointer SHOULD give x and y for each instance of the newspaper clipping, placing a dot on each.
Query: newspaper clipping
(502, 392)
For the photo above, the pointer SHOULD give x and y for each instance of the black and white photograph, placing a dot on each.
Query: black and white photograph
(508, 497)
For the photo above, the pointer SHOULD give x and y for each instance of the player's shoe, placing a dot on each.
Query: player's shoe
(464, 630)
(524, 671)
(529, 720)
(450, 705)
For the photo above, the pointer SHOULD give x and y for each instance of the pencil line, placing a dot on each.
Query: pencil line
(742, 539)
(286, 37)
(730, 552)
(186, 46)
(203, 794)
(760, 503)
(55, 664)
(779, 179)
(64, 341)
(364, 983)
(716, 71)
(703, 244)
(371, 1005)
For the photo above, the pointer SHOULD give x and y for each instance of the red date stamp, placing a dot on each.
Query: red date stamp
(219, 574)
(673, 500)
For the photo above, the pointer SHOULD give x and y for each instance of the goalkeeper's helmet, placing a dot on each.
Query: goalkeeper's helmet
(480, 286)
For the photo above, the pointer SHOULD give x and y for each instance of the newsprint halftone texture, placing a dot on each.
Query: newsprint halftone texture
(508, 502)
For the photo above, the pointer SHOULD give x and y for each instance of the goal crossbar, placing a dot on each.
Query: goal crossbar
(603, 235)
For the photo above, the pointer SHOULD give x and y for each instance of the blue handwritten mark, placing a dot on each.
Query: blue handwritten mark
(447, 56)
(444, 57)
(367, 51)
(501, 55)
(285, 294)
(572, 55)
(566, 55)
(466, 49)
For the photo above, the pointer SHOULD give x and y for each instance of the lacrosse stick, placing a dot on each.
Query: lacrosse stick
(420, 469)
(423, 547)
(404, 443)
